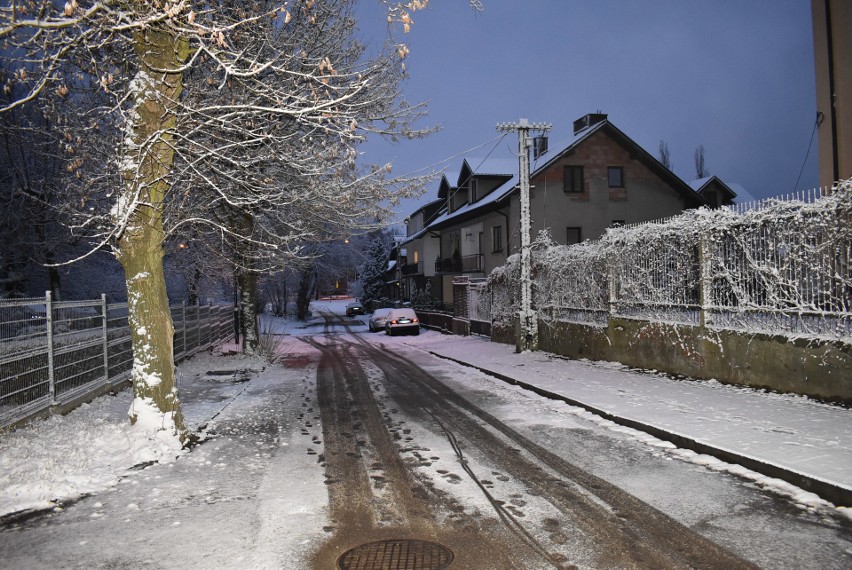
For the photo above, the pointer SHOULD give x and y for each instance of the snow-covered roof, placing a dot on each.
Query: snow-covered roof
(743, 195)
(444, 186)
(424, 207)
(494, 196)
(503, 165)
(565, 144)
(568, 144)
(415, 236)
(491, 166)
(699, 183)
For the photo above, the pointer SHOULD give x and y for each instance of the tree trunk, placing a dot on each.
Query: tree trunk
(147, 163)
(192, 287)
(243, 225)
(54, 280)
(303, 296)
(247, 282)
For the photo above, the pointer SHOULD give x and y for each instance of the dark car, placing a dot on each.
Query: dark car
(353, 309)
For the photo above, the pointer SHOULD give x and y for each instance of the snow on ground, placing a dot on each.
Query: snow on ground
(61, 458)
(790, 431)
(94, 448)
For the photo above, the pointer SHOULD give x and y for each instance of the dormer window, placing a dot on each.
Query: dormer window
(474, 186)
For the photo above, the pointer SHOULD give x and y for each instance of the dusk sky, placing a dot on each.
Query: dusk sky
(736, 76)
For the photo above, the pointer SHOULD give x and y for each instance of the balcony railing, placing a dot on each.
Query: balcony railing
(413, 268)
(466, 264)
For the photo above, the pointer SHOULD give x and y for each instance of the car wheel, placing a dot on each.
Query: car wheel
(416, 333)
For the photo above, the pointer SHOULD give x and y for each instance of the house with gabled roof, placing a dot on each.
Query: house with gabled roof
(596, 179)
(715, 192)
(718, 193)
(600, 178)
(420, 248)
(476, 201)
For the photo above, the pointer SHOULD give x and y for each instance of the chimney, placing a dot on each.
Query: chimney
(589, 120)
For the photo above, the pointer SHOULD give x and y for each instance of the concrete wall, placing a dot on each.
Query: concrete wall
(431, 250)
(491, 257)
(817, 368)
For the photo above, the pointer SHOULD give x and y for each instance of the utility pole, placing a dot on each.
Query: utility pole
(528, 338)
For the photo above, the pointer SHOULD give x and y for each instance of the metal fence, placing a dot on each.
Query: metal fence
(55, 352)
(775, 266)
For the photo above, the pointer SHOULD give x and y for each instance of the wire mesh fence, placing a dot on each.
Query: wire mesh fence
(775, 266)
(53, 352)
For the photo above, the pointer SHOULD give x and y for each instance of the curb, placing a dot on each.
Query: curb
(838, 495)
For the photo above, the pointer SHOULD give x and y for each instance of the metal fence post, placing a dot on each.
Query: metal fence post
(209, 324)
(705, 279)
(612, 286)
(183, 326)
(106, 337)
(51, 379)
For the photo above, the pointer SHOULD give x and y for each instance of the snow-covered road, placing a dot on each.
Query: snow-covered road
(262, 492)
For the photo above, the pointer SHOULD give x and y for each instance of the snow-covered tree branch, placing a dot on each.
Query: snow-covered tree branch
(236, 123)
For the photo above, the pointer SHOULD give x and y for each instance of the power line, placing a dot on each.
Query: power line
(817, 123)
(498, 140)
(455, 156)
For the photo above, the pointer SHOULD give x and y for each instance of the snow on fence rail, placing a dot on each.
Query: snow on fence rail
(55, 352)
(774, 266)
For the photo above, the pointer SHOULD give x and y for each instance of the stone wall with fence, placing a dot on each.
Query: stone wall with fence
(759, 295)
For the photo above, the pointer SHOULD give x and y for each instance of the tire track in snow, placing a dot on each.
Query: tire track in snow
(630, 533)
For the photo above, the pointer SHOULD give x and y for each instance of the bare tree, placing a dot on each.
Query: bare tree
(665, 157)
(210, 106)
(31, 163)
(700, 167)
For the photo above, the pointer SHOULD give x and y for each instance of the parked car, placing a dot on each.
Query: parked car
(378, 319)
(402, 321)
(353, 309)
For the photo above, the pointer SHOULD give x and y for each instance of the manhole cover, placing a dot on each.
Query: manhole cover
(396, 555)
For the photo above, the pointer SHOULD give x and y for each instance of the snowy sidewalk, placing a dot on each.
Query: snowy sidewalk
(787, 437)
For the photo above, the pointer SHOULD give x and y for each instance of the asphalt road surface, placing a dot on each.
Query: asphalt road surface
(370, 441)
(548, 497)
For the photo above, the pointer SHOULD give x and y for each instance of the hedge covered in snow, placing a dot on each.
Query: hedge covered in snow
(773, 266)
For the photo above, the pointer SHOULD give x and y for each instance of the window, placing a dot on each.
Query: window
(575, 235)
(615, 176)
(497, 238)
(474, 190)
(573, 179)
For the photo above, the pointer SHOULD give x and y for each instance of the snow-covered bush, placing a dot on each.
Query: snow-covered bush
(570, 283)
(777, 266)
(422, 299)
(504, 286)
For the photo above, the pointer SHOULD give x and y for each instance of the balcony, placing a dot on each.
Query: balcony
(466, 264)
(412, 269)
